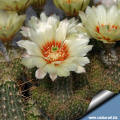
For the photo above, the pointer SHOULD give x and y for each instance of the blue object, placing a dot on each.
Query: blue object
(108, 111)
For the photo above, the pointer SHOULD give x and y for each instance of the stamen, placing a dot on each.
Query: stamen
(109, 28)
(54, 51)
(98, 29)
(68, 1)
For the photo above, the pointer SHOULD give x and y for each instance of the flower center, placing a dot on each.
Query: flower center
(4, 28)
(109, 28)
(68, 1)
(55, 51)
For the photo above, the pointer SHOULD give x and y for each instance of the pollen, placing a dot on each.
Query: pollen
(55, 51)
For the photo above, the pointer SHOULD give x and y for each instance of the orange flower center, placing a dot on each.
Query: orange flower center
(109, 27)
(55, 51)
(68, 1)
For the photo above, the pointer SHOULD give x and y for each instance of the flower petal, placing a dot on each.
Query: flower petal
(61, 31)
(43, 17)
(62, 72)
(104, 26)
(56, 47)
(82, 61)
(31, 62)
(31, 47)
(39, 74)
(53, 76)
(25, 31)
(80, 70)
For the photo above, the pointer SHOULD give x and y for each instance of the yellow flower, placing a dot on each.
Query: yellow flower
(71, 7)
(102, 23)
(54, 47)
(14, 5)
(10, 24)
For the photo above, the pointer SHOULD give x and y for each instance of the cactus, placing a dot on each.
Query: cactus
(71, 108)
(33, 113)
(100, 77)
(64, 99)
(108, 55)
(11, 107)
(63, 88)
(85, 87)
(11, 94)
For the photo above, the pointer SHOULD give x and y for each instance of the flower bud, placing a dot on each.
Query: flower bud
(72, 7)
(10, 24)
(38, 4)
(14, 5)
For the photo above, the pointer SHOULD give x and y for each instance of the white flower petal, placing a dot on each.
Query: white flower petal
(83, 50)
(10, 24)
(50, 68)
(25, 31)
(53, 76)
(31, 47)
(39, 74)
(43, 17)
(61, 31)
(83, 61)
(26, 55)
(62, 72)
(101, 14)
(56, 47)
(54, 21)
(80, 50)
(80, 70)
(31, 62)
(104, 26)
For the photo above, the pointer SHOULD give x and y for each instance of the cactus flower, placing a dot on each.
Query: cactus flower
(118, 3)
(54, 47)
(14, 5)
(102, 23)
(72, 7)
(107, 3)
(10, 24)
(38, 4)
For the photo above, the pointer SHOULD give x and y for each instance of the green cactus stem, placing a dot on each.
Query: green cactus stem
(63, 88)
(11, 105)
(102, 78)
(11, 90)
(73, 107)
